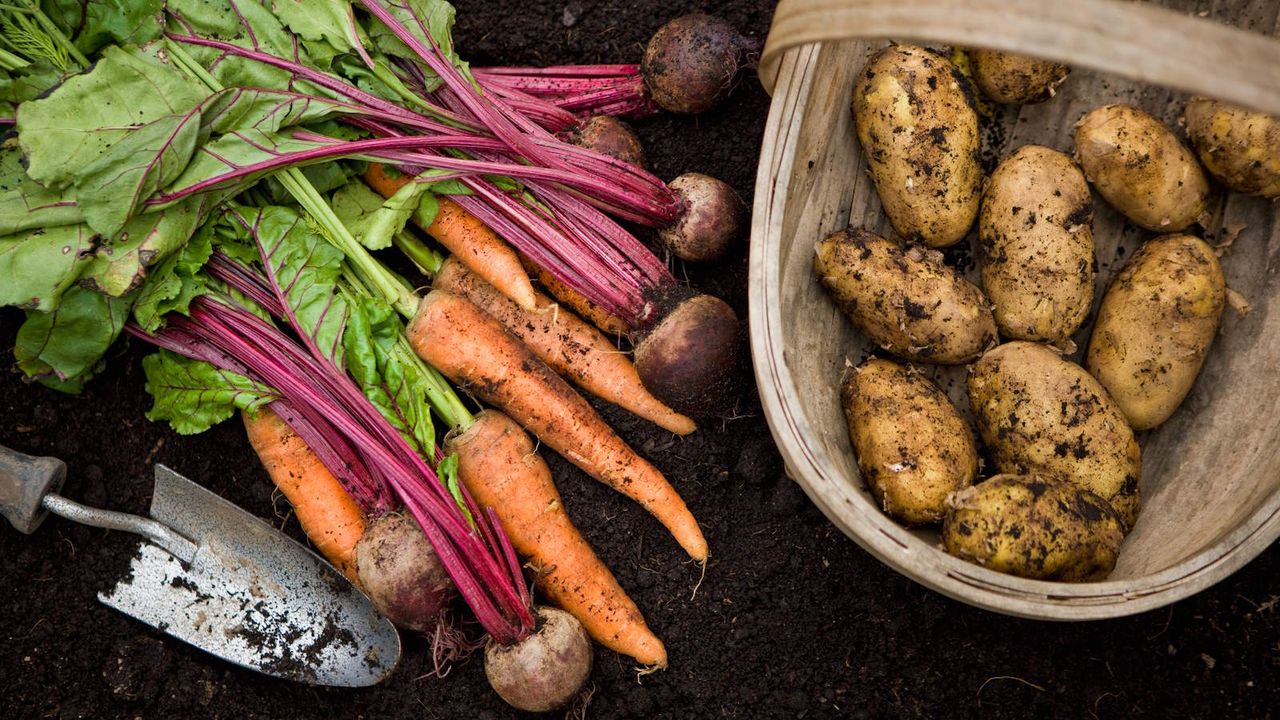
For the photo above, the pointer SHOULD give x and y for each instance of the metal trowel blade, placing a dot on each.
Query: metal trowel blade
(253, 596)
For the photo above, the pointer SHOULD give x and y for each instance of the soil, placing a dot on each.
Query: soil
(792, 620)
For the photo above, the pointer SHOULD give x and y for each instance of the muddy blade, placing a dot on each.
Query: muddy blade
(253, 596)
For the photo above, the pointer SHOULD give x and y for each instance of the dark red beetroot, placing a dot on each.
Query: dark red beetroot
(545, 670)
(691, 62)
(689, 357)
(712, 220)
(610, 136)
(401, 573)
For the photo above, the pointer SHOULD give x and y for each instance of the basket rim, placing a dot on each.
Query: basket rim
(890, 543)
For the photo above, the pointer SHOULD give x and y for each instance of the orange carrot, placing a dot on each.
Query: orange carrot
(326, 512)
(500, 468)
(567, 345)
(474, 351)
(576, 300)
(470, 240)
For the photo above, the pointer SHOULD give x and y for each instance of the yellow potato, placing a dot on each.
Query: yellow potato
(905, 301)
(919, 132)
(1012, 79)
(1040, 414)
(913, 447)
(1155, 326)
(1036, 233)
(1141, 168)
(1034, 527)
(1241, 148)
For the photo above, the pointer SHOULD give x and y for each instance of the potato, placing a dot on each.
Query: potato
(919, 131)
(1141, 168)
(1040, 414)
(1034, 527)
(905, 301)
(1036, 232)
(1241, 148)
(913, 447)
(1012, 79)
(1155, 326)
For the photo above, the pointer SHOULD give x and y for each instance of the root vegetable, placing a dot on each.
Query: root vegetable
(477, 353)
(501, 469)
(401, 573)
(545, 670)
(711, 222)
(610, 136)
(690, 63)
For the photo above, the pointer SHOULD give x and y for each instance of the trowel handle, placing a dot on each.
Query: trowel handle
(24, 481)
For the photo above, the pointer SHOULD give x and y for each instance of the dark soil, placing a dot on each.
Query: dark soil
(792, 619)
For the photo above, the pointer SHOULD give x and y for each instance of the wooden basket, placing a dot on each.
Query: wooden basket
(1211, 474)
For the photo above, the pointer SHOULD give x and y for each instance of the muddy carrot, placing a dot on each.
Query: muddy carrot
(567, 345)
(575, 300)
(470, 240)
(327, 514)
(474, 351)
(500, 468)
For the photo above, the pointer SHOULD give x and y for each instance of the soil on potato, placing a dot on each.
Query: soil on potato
(791, 621)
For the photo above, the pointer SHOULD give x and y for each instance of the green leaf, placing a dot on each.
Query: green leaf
(395, 388)
(121, 264)
(94, 24)
(375, 221)
(249, 24)
(306, 267)
(447, 471)
(175, 282)
(193, 396)
(67, 344)
(25, 204)
(66, 132)
(19, 86)
(113, 187)
(328, 20)
(37, 266)
(265, 110)
(218, 159)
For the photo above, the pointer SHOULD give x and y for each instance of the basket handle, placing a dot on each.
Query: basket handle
(1129, 39)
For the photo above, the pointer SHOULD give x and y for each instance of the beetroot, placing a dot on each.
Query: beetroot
(401, 573)
(610, 136)
(712, 220)
(545, 670)
(691, 62)
(688, 358)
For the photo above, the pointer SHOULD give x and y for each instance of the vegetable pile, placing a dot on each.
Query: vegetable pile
(1063, 485)
(213, 178)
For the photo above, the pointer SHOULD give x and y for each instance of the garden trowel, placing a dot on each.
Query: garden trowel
(215, 576)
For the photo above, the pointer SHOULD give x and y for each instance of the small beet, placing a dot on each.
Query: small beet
(401, 573)
(691, 62)
(688, 359)
(544, 671)
(712, 220)
(610, 136)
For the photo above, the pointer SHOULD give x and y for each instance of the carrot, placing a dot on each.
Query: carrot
(598, 316)
(567, 345)
(470, 240)
(326, 512)
(474, 351)
(498, 465)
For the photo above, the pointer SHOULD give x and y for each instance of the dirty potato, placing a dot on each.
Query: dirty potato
(1012, 79)
(1241, 148)
(1040, 414)
(913, 447)
(905, 301)
(1155, 326)
(1036, 233)
(1141, 168)
(1035, 527)
(919, 131)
